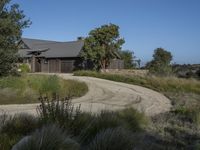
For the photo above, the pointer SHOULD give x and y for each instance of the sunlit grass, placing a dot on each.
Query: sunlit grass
(27, 88)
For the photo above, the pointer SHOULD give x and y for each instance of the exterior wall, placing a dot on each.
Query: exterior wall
(67, 65)
(116, 64)
(44, 65)
(54, 66)
(57, 65)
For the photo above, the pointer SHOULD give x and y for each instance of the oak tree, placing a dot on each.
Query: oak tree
(12, 21)
(102, 45)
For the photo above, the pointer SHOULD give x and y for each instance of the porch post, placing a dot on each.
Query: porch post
(33, 63)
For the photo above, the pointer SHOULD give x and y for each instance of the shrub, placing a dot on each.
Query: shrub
(24, 68)
(190, 114)
(72, 88)
(49, 137)
(20, 124)
(112, 139)
(27, 88)
(14, 128)
(100, 122)
(80, 122)
(56, 110)
(7, 142)
(50, 85)
(132, 119)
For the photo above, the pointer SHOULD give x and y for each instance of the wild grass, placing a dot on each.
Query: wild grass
(61, 125)
(13, 128)
(50, 137)
(112, 139)
(177, 129)
(27, 88)
(161, 84)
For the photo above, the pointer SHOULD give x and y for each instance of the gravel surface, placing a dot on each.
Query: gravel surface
(109, 95)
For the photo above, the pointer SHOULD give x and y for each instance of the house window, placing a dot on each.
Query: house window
(45, 61)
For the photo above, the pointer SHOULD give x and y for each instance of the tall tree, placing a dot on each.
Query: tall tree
(102, 45)
(12, 21)
(161, 62)
(128, 58)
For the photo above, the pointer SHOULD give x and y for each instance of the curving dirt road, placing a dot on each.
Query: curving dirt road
(110, 95)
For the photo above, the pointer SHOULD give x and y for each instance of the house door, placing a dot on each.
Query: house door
(54, 65)
(67, 66)
(37, 65)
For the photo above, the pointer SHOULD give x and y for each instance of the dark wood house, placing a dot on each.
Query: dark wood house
(55, 57)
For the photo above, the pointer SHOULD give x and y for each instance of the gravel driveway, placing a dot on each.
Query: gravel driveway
(110, 95)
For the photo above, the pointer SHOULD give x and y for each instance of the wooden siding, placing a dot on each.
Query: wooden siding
(116, 64)
(67, 66)
(44, 65)
(54, 65)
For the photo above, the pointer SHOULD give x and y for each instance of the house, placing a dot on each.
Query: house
(55, 57)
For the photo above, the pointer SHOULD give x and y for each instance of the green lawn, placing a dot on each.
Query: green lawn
(27, 88)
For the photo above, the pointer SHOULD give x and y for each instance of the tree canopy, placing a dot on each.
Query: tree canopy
(128, 57)
(102, 45)
(12, 21)
(161, 62)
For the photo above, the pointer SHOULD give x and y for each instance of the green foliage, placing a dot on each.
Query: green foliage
(27, 88)
(19, 124)
(60, 111)
(12, 22)
(49, 137)
(128, 58)
(161, 84)
(192, 114)
(160, 64)
(132, 119)
(102, 45)
(91, 130)
(72, 88)
(24, 68)
(14, 128)
(128, 119)
(50, 85)
(100, 122)
(112, 139)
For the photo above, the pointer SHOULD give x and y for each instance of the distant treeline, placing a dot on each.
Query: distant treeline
(187, 70)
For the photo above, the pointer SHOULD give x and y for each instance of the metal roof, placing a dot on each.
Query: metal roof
(55, 49)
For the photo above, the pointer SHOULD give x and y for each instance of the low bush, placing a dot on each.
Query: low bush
(13, 128)
(112, 139)
(21, 124)
(99, 122)
(27, 88)
(50, 85)
(24, 68)
(48, 138)
(189, 114)
(56, 110)
(128, 119)
(132, 119)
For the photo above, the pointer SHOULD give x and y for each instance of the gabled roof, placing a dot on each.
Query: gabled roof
(52, 48)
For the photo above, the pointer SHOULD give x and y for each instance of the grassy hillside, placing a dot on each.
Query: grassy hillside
(177, 129)
(161, 84)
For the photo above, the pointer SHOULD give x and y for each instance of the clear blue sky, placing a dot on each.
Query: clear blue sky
(145, 24)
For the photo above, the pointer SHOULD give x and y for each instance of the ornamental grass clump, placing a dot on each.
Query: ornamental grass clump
(50, 137)
(57, 110)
